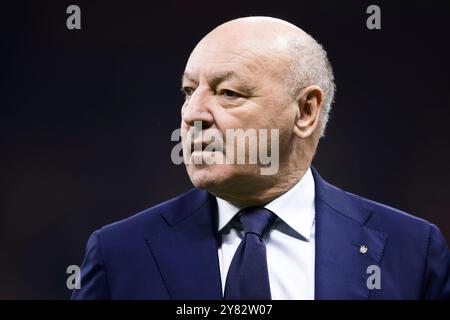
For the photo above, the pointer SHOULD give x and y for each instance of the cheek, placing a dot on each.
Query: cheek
(275, 111)
(284, 117)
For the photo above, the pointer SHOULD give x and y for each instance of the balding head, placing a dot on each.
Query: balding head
(257, 73)
(257, 33)
(306, 62)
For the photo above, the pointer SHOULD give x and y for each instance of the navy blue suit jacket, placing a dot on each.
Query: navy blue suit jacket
(170, 252)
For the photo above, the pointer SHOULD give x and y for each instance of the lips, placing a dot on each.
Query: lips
(217, 147)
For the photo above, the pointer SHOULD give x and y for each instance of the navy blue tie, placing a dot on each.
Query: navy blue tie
(248, 276)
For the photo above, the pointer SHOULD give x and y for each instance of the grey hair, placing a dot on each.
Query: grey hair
(310, 65)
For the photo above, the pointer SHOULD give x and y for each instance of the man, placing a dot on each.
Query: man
(241, 234)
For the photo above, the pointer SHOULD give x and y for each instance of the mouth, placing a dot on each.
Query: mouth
(206, 146)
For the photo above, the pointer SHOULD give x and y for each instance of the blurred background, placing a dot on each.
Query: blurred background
(86, 116)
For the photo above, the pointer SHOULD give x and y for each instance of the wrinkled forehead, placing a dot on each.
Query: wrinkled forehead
(247, 58)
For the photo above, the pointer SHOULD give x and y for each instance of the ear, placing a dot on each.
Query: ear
(309, 106)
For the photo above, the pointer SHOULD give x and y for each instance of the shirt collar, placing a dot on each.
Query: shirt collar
(295, 207)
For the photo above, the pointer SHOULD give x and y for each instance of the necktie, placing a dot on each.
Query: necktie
(248, 276)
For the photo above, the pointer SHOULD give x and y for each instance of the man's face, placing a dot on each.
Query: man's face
(231, 84)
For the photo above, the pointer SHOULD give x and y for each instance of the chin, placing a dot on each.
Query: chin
(210, 177)
(221, 179)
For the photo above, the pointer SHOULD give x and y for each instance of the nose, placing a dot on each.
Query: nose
(196, 109)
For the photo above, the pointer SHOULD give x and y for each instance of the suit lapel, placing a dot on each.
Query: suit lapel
(340, 267)
(186, 251)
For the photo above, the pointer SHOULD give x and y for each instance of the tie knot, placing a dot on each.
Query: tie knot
(256, 220)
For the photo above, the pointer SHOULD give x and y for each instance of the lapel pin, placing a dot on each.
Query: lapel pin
(363, 249)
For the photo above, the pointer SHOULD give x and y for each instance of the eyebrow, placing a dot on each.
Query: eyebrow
(221, 77)
(187, 76)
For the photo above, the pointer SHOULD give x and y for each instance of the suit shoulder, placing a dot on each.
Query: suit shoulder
(152, 219)
(361, 208)
(387, 216)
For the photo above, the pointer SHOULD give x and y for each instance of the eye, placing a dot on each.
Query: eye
(187, 91)
(229, 93)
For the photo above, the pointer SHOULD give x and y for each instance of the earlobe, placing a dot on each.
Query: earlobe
(309, 104)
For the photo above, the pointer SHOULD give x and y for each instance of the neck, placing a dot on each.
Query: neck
(262, 190)
(255, 194)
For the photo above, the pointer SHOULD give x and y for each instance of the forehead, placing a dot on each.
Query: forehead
(246, 62)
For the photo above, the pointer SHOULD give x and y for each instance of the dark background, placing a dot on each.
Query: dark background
(86, 116)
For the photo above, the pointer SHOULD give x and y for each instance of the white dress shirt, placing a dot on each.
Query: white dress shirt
(289, 242)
